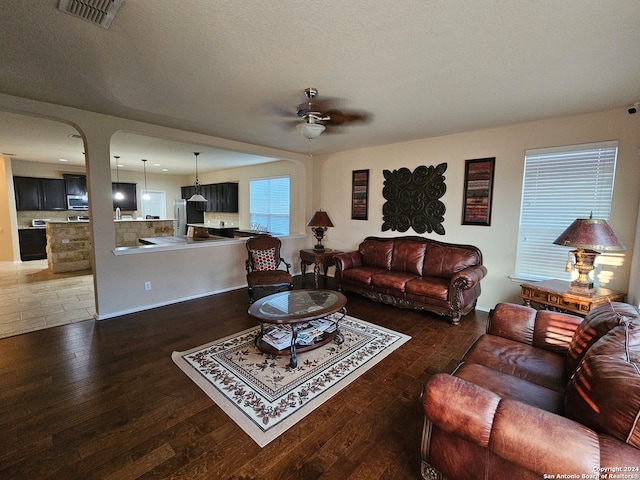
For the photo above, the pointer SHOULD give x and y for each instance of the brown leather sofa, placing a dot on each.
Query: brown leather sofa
(541, 393)
(414, 272)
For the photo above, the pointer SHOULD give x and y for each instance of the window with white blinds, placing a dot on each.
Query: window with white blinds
(269, 204)
(560, 184)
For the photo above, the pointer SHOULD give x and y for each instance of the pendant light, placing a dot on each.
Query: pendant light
(146, 195)
(196, 197)
(119, 195)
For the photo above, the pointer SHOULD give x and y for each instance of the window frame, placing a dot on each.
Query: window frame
(271, 215)
(571, 181)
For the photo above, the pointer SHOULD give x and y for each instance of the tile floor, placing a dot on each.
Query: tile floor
(33, 298)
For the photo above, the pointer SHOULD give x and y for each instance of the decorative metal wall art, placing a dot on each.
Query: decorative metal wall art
(478, 190)
(359, 194)
(413, 199)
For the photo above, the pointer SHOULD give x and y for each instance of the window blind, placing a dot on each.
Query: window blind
(269, 204)
(560, 184)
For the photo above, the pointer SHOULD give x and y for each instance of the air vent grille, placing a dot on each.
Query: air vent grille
(100, 12)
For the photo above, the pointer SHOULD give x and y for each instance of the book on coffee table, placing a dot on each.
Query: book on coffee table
(278, 337)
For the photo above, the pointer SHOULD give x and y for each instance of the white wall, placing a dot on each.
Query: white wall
(507, 144)
(43, 170)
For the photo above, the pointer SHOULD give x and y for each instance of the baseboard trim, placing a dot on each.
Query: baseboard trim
(164, 304)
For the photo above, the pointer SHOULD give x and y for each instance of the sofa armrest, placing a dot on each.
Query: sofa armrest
(544, 329)
(345, 261)
(519, 433)
(469, 277)
(460, 407)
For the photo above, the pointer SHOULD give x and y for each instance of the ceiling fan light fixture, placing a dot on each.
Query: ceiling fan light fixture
(310, 130)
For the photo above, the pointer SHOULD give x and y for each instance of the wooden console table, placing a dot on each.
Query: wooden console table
(555, 295)
(308, 256)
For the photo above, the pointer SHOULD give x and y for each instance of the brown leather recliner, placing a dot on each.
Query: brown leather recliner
(541, 393)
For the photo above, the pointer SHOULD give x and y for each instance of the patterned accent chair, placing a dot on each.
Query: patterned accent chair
(263, 264)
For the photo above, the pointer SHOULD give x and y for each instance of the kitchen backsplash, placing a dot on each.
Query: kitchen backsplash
(24, 217)
(229, 219)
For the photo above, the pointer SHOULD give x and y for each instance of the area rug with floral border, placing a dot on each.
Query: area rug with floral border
(263, 394)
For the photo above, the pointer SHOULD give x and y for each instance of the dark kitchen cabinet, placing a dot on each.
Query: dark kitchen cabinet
(33, 243)
(75, 184)
(130, 201)
(231, 196)
(213, 199)
(27, 190)
(54, 195)
(208, 192)
(39, 193)
(221, 197)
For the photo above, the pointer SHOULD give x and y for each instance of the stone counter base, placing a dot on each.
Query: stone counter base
(69, 243)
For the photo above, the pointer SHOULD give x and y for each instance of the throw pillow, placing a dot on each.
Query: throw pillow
(264, 259)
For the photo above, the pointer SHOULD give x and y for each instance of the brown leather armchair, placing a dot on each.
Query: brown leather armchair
(263, 264)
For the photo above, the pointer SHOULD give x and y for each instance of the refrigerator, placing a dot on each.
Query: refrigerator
(184, 213)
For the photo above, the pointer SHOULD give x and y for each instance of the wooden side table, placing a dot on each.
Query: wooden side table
(555, 295)
(308, 256)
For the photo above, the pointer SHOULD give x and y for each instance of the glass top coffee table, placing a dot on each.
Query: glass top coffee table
(296, 321)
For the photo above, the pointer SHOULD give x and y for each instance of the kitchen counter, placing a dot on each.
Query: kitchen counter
(122, 220)
(179, 240)
(248, 233)
(216, 229)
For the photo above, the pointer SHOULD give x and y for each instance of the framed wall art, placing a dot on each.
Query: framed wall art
(360, 195)
(478, 191)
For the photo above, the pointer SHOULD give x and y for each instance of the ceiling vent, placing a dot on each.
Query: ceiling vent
(100, 12)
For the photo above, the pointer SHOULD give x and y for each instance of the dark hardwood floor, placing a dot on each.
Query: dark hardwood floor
(103, 400)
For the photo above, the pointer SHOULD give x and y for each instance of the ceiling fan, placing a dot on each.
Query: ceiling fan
(323, 115)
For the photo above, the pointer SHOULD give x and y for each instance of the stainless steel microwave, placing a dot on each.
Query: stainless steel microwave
(77, 202)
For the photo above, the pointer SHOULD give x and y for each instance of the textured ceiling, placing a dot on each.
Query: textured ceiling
(422, 68)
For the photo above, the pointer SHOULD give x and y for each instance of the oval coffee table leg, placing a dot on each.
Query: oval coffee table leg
(260, 334)
(339, 339)
(294, 336)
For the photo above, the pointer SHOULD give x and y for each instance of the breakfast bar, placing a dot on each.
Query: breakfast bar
(69, 242)
(179, 240)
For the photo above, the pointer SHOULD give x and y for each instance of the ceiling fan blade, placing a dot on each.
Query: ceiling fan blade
(338, 117)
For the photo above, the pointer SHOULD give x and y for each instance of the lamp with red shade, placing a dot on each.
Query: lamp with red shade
(319, 224)
(589, 236)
